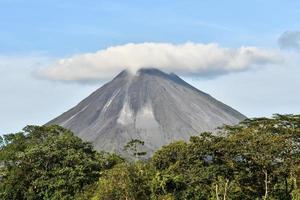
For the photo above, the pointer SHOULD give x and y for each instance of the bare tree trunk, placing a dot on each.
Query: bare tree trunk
(295, 183)
(286, 186)
(225, 189)
(217, 192)
(266, 185)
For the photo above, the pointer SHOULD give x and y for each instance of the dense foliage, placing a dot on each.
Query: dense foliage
(48, 163)
(256, 159)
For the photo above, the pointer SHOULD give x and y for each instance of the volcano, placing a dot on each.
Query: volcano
(151, 106)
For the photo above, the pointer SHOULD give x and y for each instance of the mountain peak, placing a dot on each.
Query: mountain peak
(124, 73)
(151, 71)
(151, 105)
(142, 71)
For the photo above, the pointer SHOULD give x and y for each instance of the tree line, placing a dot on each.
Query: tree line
(257, 159)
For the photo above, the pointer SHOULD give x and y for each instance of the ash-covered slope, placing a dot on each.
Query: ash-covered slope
(151, 105)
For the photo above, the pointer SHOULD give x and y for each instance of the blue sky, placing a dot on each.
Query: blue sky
(36, 33)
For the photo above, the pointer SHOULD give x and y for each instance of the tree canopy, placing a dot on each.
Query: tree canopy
(256, 159)
(48, 162)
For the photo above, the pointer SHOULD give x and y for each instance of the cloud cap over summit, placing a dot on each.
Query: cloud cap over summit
(184, 59)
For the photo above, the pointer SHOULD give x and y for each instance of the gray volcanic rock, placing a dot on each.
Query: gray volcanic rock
(152, 106)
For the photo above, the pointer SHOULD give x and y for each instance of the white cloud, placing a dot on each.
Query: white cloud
(184, 59)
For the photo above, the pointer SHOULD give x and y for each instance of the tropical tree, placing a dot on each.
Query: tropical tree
(47, 162)
(126, 181)
(134, 148)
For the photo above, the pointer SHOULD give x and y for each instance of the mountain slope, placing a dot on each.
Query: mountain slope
(150, 105)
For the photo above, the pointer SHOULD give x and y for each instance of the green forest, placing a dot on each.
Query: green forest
(257, 159)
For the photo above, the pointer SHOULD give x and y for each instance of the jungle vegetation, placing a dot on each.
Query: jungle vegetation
(256, 159)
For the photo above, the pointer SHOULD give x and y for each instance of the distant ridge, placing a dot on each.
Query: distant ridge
(151, 105)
